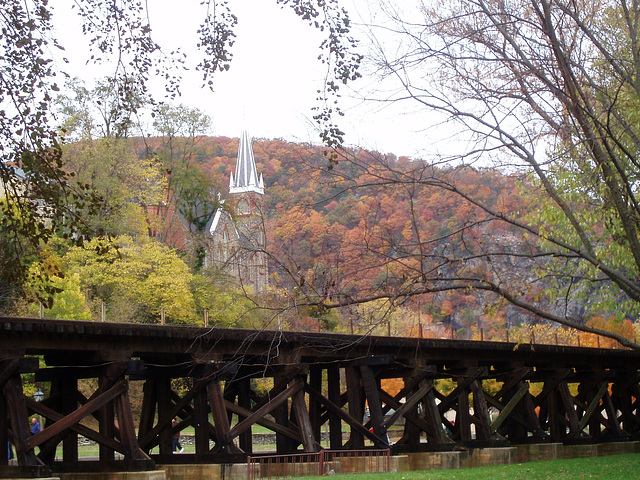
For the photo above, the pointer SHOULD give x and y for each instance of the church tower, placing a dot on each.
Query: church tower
(237, 233)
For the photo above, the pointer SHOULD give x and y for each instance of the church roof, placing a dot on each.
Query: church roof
(213, 222)
(246, 178)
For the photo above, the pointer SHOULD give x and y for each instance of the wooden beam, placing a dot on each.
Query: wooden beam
(244, 401)
(315, 408)
(371, 388)
(68, 389)
(371, 361)
(515, 378)
(167, 411)
(333, 392)
(285, 377)
(127, 430)
(463, 416)
(551, 382)
(480, 412)
(570, 409)
(355, 424)
(219, 412)
(271, 425)
(410, 416)
(201, 421)
(41, 409)
(356, 406)
(19, 421)
(463, 385)
(163, 431)
(8, 368)
(407, 405)
(309, 442)
(133, 367)
(264, 410)
(595, 401)
(75, 417)
(508, 408)
(148, 412)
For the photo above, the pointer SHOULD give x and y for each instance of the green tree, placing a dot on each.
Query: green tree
(103, 111)
(135, 280)
(228, 305)
(68, 303)
(190, 190)
(127, 185)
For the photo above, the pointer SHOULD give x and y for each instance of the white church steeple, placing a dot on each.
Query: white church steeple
(246, 178)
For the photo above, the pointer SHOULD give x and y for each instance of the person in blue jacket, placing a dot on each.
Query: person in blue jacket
(35, 426)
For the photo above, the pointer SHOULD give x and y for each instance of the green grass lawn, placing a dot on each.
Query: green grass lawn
(612, 467)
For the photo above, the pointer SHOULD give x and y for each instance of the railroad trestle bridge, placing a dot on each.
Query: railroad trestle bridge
(206, 378)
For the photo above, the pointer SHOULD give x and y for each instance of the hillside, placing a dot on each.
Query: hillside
(361, 226)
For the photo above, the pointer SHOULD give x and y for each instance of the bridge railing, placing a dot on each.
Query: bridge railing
(325, 462)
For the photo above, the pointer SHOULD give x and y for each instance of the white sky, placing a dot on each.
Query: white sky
(271, 86)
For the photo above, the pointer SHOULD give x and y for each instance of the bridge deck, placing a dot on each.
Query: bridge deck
(39, 337)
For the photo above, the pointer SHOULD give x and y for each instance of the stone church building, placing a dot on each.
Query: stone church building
(236, 232)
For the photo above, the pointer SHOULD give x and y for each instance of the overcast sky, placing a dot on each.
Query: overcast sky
(271, 87)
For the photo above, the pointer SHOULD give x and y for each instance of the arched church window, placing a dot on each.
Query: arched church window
(243, 207)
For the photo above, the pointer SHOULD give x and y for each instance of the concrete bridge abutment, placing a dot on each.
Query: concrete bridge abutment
(447, 460)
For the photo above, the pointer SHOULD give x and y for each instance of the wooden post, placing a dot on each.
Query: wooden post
(103, 312)
(420, 329)
(69, 391)
(507, 334)
(315, 407)
(244, 401)
(18, 420)
(41, 310)
(333, 392)
(309, 442)
(162, 316)
(482, 335)
(206, 318)
(281, 412)
(371, 387)
(163, 395)
(355, 397)
(200, 417)
(219, 412)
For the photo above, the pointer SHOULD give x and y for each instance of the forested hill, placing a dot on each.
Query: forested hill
(332, 226)
(340, 229)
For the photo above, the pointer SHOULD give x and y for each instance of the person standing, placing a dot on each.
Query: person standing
(176, 437)
(35, 426)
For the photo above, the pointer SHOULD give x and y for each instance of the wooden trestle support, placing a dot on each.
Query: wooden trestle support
(452, 394)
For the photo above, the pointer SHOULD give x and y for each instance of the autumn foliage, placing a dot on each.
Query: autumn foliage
(338, 231)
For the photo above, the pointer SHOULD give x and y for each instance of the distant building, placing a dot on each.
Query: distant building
(236, 242)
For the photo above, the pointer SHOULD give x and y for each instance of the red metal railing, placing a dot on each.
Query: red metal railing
(274, 467)
(355, 461)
